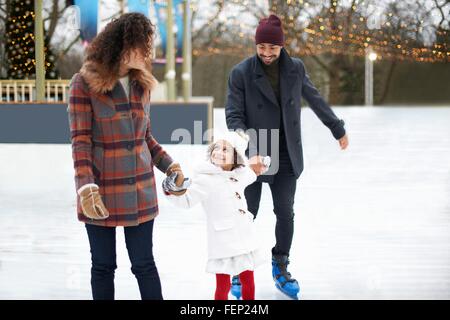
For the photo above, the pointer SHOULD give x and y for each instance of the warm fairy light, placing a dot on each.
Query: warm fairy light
(372, 56)
(20, 43)
(320, 36)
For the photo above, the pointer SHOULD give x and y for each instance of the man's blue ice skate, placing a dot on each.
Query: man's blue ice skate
(283, 279)
(236, 287)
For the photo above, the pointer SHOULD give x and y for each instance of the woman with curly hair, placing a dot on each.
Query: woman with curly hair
(114, 152)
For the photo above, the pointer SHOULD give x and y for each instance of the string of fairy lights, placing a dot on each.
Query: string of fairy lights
(323, 35)
(20, 42)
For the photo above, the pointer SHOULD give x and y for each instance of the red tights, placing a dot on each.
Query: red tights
(223, 285)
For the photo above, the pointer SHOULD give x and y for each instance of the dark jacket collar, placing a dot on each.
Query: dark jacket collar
(287, 78)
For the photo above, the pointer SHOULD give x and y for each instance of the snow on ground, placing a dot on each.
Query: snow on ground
(372, 222)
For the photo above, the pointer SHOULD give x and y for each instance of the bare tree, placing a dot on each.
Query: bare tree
(336, 33)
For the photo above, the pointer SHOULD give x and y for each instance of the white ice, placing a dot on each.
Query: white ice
(372, 222)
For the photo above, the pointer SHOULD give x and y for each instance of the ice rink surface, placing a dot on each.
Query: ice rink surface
(372, 222)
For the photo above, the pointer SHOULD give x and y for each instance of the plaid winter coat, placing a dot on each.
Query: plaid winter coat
(112, 146)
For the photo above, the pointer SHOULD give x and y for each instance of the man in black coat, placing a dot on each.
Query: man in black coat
(263, 100)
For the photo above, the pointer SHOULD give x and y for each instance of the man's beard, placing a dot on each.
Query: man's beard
(271, 59)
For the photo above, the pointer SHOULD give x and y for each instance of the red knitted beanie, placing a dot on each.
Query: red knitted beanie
(270, 31)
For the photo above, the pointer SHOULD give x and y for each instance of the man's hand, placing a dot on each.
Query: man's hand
(257, 165)
(343, 142)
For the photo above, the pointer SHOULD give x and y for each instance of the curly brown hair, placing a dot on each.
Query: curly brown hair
(129, 31)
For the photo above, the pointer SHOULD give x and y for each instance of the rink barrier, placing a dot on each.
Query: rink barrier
(25, 90)
(48, 122)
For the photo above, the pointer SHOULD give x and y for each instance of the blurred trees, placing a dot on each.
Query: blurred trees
(330, 35)
(54, 16)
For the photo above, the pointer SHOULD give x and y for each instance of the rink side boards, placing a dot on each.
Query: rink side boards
(48, 122)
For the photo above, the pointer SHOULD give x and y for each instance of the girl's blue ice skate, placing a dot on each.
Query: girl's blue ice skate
(236, 287)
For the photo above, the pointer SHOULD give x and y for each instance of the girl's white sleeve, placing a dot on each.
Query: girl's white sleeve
(198, 191)
(246, 175)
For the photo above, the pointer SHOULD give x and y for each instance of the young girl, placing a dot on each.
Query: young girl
(219, 185)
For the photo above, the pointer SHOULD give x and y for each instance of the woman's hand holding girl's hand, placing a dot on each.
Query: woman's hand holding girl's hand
(175, 183)
(175, 167)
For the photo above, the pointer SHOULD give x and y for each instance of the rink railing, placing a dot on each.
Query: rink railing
(25, 90)
(23, 121)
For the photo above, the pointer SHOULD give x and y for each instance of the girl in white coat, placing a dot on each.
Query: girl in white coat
(218, 184)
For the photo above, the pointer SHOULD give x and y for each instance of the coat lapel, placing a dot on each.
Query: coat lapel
(104, 100)
(118, 93)
(288, 77)
(111, 98)
(262, 83)
(135, 92)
